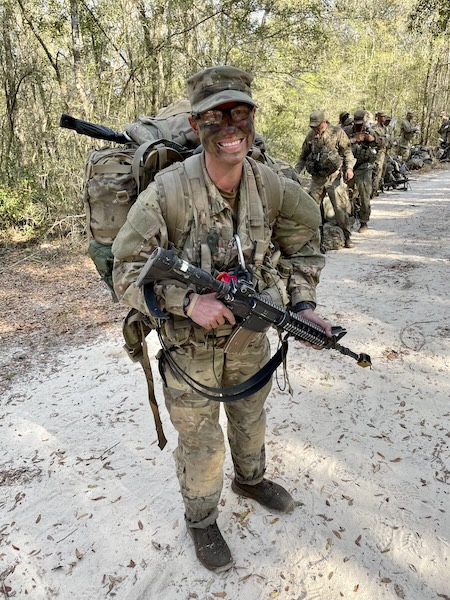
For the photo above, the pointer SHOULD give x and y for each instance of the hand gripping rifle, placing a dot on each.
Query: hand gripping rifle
(255, 312)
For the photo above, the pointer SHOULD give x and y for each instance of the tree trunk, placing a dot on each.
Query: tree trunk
(77, 56)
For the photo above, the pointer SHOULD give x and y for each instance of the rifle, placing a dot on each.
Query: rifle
(99, 132)
(255, 312)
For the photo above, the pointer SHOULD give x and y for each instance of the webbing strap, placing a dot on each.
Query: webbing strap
(158, 157)
(144, 361)
(137, 162)
(194, 173)
(134, 332)
(234, 392)
(256, 204)
(110, 168)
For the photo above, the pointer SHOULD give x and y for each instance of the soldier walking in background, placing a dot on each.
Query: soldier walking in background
(444, 128)
(407, 133)
(325, 154)
(379, 168)
(364, 143)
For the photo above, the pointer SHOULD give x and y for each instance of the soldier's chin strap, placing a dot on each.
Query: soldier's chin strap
(234, 392)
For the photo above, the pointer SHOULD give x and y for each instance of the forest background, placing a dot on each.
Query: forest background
(109, 61)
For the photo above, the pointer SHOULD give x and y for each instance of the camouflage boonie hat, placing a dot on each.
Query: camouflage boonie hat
(359, 117)
(218, 85)
(316, 118)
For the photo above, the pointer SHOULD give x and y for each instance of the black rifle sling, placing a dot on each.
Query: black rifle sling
(235, 392)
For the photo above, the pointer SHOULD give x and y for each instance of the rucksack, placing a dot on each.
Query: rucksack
(170, 123)
(114, 177)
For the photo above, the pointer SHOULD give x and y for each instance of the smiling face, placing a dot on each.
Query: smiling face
(227, 141)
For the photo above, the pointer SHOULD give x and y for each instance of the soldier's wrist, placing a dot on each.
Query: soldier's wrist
(303, 306)
(187, 302)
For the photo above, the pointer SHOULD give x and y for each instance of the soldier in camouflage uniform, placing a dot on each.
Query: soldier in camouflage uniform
(379, 169)
(407, 133)
(325, 151)
(200, 325)
(364, 143)
(444, 128)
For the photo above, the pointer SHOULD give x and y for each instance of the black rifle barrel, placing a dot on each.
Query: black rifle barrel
(257, 311)
(99, 132)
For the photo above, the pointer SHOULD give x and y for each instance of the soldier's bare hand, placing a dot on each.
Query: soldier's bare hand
(312, 316)
(210, 313)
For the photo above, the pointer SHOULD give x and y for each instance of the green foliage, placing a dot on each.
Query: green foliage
(431, 15)
(110, 61)
(21, 206)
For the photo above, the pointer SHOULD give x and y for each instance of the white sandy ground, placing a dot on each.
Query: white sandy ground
(90, 506)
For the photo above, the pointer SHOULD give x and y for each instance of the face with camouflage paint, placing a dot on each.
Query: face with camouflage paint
(229, 140)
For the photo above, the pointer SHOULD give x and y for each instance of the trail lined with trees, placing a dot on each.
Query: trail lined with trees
(111, 61)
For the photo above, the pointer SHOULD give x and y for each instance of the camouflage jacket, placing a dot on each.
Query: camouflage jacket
(332, 139)
(444, 130)
(364, 152)
(407, 132)
(383, 136)
(289, 235)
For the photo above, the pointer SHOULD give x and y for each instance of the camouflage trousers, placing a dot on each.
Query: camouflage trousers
(404, 152)
(362, 180)
(331, 185)
(200, 454)
(379, 170)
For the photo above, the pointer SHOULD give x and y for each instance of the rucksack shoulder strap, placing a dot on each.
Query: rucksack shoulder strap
(271, 187)
(150, 158)
(193, 171)
(184, 204)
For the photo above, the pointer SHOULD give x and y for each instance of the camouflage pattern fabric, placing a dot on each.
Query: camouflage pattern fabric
(379, 169)
(109, 190)
(365, 153)
(407, 132)
(294, 229)
(199, 456)
(362, 180)
(218, 85)
(333, 139)
(170, 122)
(332, 237)
(380, 163)
(333, 186)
